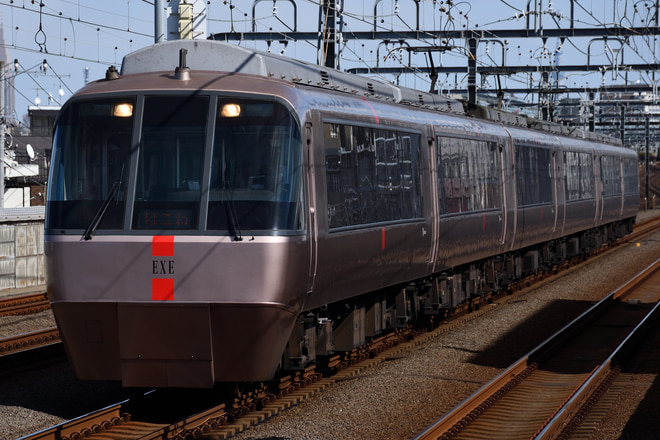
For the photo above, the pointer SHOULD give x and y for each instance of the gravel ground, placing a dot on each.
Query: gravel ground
(16, 325)
(397, 398)
(633, 415)
(35, 401)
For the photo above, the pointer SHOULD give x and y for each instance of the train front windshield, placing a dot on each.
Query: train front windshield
(225, 166)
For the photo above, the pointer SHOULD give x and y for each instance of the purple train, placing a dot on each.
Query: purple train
(216, 213)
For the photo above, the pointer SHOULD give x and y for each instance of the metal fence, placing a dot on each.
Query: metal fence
(22, 247)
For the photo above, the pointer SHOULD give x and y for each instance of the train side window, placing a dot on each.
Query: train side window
(170, 163)
(579, 175)
(533, 175)
(372, 175)
(468, 175)
(630, 176)
(610, 173)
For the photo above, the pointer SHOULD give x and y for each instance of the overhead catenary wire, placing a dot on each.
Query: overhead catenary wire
(450, 11)
(440, 16)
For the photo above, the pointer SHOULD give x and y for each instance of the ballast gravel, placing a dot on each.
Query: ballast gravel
(399, 398)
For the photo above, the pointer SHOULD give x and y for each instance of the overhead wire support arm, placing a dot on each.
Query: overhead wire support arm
(433, 74)
(376, 14)
(254, 16)
(539, 13)
(616, 64)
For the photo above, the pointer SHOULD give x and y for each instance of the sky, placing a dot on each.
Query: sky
(80, 39)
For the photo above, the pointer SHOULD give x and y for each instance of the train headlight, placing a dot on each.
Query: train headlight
(122, 110)
(230, 110)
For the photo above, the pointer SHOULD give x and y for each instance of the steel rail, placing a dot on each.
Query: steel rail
(452, 424)
(84, 426)
(30, 340)
(24, 304)
(606, 372)
(115, 422)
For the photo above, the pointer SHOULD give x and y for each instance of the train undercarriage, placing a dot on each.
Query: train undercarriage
(345, 326)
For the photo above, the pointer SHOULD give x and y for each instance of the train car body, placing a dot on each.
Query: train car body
(244, 212)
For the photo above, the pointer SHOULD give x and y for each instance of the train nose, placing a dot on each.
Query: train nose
(186, 345)
(165, 345)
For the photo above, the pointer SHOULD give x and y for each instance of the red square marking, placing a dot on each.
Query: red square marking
(162, 289)
(162, 246)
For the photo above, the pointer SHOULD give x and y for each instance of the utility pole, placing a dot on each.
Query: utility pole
(472, 70)
(592, 111)
(328, 33)
(647, 132)
(622, 127)
(159, 26)
(3, 127)
(544, 101)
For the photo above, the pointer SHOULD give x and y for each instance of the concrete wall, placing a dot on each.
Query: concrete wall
(22, 248)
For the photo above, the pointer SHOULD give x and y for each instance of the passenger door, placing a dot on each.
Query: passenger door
(308, 163)
(372, 230)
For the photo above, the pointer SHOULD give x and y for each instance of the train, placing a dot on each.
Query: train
(216, 214)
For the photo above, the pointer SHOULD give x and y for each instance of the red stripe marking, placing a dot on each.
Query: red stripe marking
(372, 108)
(162, 246)
(382, 241)
(162, 289)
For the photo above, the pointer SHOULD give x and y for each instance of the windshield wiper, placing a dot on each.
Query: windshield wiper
(232, 221)
(230, 212)
(112, 194)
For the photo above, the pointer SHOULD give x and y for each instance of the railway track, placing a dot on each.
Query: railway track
(654, 182)
(24, 304)
(256, 405)
(225, 419)
(133, 419)
(641, 229)
(548, 392)
(30, 340)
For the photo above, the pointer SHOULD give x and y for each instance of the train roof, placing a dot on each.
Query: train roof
(226, 57)
(210, 55)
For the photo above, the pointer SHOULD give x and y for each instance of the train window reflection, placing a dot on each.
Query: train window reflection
(91, 152)
(533, 175)
(610, 173)
(255, 171)
(579, 174)
(468, 175)
(170, 165)
(372, 175)
(630, 176)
